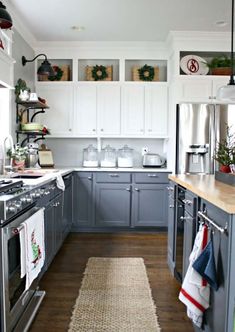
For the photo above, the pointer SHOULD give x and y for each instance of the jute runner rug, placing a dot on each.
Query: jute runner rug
(114, 297)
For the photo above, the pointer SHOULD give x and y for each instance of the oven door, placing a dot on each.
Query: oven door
(14, 298)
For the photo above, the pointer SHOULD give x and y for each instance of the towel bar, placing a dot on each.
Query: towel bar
(211, 222)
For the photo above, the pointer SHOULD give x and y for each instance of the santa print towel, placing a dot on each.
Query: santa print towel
(32, 246)
(195, 291)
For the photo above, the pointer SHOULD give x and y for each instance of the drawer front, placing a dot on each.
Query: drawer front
(190, 202)
(151, 177)
(113, 177)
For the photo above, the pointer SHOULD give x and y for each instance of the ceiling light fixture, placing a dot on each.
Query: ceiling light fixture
(227, 92)
(44, 69)
(5, 18)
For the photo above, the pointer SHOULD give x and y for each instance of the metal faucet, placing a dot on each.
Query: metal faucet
(10, 139)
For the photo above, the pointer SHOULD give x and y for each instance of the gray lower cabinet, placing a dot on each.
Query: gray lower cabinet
(53, 228)
(171, 228)
(83, 200)
(149, 205)
(217, 315)
(112, 204)
(120, 199)
(67, 205)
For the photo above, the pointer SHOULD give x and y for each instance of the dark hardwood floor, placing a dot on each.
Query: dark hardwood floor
(63, 279)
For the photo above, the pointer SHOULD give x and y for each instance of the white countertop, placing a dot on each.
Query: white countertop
(46, 175)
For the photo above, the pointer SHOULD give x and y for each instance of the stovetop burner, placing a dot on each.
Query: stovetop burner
(8, 185)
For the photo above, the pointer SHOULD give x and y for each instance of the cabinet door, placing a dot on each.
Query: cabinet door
(67, 206)
(195, 89)
(156, 100)
(171, 234)
(58, 118)
(149, 205)
(49, 235)
(58, 216)
(132, 112)
(216, 314)
(83, 200)
(113, 204)
(189, 223)
(108, 108)
(85, 111)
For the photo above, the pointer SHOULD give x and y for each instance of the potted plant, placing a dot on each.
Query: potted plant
(225, 152)
(18, 155)
(220, 65)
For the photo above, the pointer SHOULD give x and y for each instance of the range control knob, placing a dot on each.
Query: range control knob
(23, 200)
(12, 209)
(18, 205)
(29, 199)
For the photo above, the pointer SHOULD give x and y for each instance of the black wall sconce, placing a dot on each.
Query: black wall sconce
(5, 18)
(44, 69)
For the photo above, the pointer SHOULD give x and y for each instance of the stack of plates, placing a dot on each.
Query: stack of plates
(32, 126)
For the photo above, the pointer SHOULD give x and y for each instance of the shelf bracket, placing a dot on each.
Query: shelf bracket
(36, 113)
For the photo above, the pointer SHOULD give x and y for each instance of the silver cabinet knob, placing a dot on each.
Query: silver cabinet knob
(185, 218)
(93, 129)
(171, 206)
(136, 189)
(101, 129)
(128, 189)
(89, 178)
(70, 129)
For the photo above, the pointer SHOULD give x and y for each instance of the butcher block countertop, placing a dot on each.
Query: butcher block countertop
(216, 192)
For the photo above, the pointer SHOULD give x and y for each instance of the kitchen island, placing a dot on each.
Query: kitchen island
(212, 202)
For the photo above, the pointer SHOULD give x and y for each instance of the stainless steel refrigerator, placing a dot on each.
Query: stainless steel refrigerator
(199, 128)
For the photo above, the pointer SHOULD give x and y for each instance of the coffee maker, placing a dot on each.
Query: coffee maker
(32, 157)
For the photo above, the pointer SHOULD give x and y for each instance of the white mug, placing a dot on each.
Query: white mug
(33, 96)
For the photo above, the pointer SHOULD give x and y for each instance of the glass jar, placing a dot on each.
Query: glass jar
(90, 156)
(125, 157)
(108, 157)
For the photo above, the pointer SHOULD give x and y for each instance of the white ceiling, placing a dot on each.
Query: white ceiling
(119, 20)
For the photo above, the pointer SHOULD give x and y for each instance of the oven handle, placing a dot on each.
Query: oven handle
(14, 227)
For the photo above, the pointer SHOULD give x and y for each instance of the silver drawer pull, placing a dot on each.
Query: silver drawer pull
(153, 176)
(185, 218)
(128, 189)
(170, 188)
(171, 206)
(89, 178)
(136, 189)
(187, 202)
(114, 175)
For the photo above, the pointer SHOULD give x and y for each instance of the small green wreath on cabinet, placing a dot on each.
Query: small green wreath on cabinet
(146, 73)
(99, 72)
(58, 74)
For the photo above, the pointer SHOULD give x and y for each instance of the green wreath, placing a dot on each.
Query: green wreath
(58, 74)
(146, 73)
(99, 73)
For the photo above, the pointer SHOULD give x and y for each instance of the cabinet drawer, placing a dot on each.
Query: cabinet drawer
(190, 202)
(151, 177)
(113, 177)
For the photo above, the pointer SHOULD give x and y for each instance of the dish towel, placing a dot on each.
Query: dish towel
(205, 265)
(60, 182)
(32, 247)
(195, 291)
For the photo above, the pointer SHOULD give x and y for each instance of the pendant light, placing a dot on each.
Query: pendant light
(227, 92)
(5, 18)
(44, 69)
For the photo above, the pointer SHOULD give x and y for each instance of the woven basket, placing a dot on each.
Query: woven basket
(109, 70)
(136, 76)
(223, 71)
(64, 77)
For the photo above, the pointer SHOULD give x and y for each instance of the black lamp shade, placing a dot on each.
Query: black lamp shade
(5, 18)
(46, 69)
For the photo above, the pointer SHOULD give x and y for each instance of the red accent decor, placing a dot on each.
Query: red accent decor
(1, 44)
(193, 65)
(225, 169)
(192, 300)
(204, 243)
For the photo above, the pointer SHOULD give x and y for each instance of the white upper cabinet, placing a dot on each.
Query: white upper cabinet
(85, 115)
(144, 110)
(156, 110)
(200, 89)
(132, 113)
(108, 109)
(59, 98)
